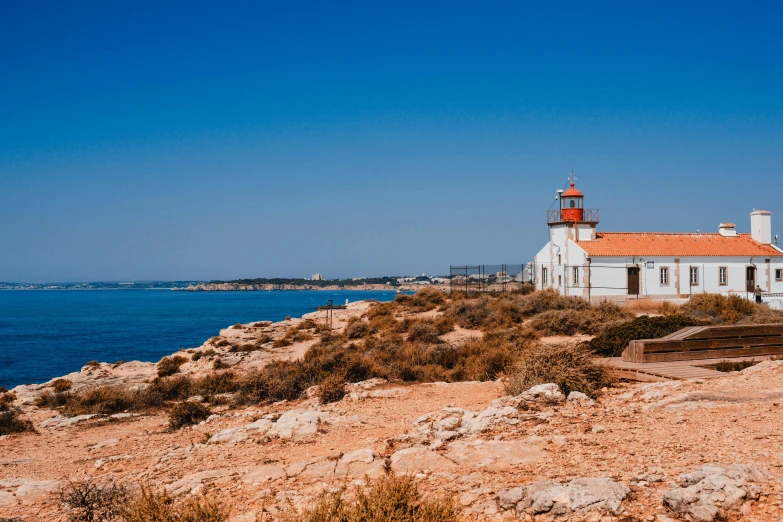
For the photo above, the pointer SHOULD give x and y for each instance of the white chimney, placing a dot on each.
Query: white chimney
(727, 229)
(761, 226)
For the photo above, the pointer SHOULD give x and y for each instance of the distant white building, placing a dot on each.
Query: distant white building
(317, 277)
(579, 260)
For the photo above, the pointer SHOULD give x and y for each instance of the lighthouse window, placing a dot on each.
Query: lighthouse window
(573, 203)
(694, 276)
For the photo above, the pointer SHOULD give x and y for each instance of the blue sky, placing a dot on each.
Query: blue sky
(205, 140)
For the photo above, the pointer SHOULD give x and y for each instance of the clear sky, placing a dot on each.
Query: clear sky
(218, 140)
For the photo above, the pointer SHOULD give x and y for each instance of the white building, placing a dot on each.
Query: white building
(579, 260)
(317, 277)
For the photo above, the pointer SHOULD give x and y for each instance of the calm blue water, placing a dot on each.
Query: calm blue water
(48, 333)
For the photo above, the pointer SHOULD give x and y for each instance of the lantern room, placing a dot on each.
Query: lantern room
(571, 208)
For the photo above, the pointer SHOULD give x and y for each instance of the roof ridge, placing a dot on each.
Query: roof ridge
(672, 233)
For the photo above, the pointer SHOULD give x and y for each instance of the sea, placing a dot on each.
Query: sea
(49, 333)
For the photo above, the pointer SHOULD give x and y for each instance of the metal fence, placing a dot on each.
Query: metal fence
(489, 278)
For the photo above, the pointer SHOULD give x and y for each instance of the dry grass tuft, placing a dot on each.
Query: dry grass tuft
(157, 506)
(570, 366)
(390, 498)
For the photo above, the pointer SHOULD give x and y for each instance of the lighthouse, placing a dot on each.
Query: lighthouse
(572, 217)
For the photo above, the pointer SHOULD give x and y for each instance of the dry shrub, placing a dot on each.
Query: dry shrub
(612, 341)
(170, 365)
(187, 413)
(508, 310)
(358, 329)
(646, 306)
(158, 506)
(389, 498)
(104, 400)
(763, 315)
(331, 389)
(734, 366)
(218, 364)
(61, 385)
(423, 332)
(293, 335)
(422, 301)
(7, 400)
(719, 308)
(51, 400)
(88, 501)
(379, 309)
(444, 325)
(381, 323)
(589, 321)
(570, 366)
(11, 422)
(209, 352)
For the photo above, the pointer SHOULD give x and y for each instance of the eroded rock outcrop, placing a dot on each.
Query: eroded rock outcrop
(713, 491)
(582, 495)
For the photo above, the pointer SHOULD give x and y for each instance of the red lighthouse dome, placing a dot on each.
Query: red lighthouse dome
(571, 205)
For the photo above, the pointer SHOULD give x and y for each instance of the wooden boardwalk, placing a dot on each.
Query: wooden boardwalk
(670, 370)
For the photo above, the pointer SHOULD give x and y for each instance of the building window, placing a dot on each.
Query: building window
(779, 274)
(559, 259)
(664, 276)
(544, 279)
(723, 275)
(576, 276)
(559, 280)
(694, 276)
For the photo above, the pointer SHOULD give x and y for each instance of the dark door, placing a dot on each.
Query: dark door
(750, 278)
(633, 280)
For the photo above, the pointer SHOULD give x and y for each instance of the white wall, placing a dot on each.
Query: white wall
(679, 275)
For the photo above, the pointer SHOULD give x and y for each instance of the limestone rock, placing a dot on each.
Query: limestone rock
(7, 499)
(714, 490)
(358, 462)
(493, 454)
(582, 495)
(580, 399)
(263, 474)
(62, 422)
(413, 460)
(190, 482)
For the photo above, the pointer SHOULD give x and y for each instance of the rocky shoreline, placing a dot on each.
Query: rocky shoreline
(239, 287)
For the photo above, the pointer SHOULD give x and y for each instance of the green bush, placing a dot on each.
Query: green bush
(187, 413)
(615, 339)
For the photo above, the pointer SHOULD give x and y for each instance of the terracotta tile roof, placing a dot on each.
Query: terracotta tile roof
(645, 244)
